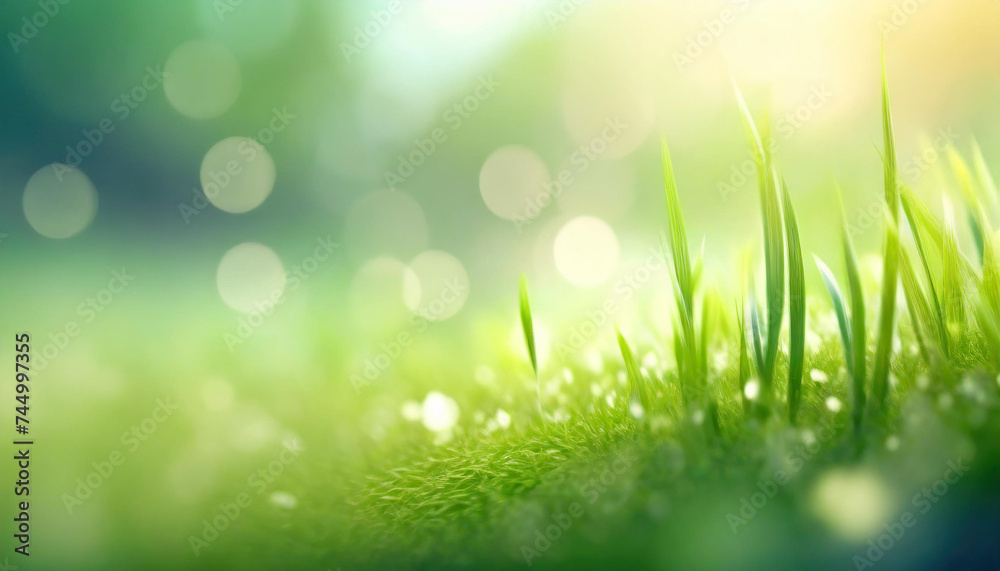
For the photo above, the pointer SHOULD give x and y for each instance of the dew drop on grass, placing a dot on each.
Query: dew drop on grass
(752, 389)
(503, 418)
(635, 408)
(818, 376)
(834, 404)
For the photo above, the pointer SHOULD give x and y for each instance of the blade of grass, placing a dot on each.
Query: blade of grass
(990, 327)
(919, 309)
(527, 325)
(744, 371)
(678, 236)
(918, 227)
(952, 289)
(984, 177)
(692, 377)
(976, 217)
(796, 307)
(931, 227)
(840, 309)
(774, 260)
(774, 248)
(857, 332)
(887, 316)
(755, 331)
(890, 258)
(637, 385)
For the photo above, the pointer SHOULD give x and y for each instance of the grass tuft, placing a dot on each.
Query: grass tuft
(774, 249)
(691, 375)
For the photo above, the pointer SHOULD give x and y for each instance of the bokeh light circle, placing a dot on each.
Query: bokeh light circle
(586, 251)
(250, 277)
(853, 503)
(511, 180)
(202, 79)
(442, 285)
(59, 201)
(439, 412)
(237, 174)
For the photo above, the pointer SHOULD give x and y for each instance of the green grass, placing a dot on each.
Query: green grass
(890, 256)
(699, 436)
(797, 306)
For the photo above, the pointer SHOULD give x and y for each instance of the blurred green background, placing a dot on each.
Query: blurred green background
(332, 106)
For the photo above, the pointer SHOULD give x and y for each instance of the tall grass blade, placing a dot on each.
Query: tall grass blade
(527, 325)
(744, 370)
(919, 226)
(689, 372)
(796, 306)
(930, 227)
(952, 288)
(858, 336)
(977, 218)
(678, 236)
(887, 316)
(890, 259)
(774, 261)
(924, 325)
(774, 248)
(755, 330)
(840, 309)
(984, 177)
(990, 327)
(637, 384)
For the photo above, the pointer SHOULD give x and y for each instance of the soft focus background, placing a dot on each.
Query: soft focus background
(385, 169)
